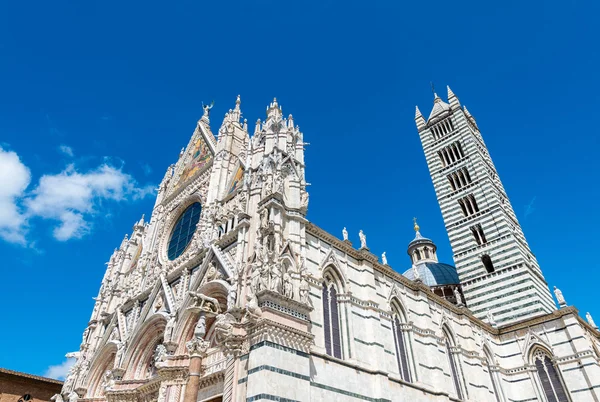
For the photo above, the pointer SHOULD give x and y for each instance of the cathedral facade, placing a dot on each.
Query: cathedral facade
(228, 292)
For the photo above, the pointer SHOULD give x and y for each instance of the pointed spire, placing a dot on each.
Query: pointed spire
(141, 222)
(439, 107)
(470, 117)
(420, 120)
(274, 110)
(257, 127)
(452, 99)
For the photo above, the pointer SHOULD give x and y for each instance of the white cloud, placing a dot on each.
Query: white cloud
(71, 198)
(67, 150)
(60, 371)
(14, 179)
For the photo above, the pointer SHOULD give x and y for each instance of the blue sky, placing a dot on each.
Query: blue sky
(97, 99)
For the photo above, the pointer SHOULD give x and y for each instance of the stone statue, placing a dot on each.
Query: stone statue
(490, 318)
(559, 297)
(384, 259)
(108, 381)
(363, 239)
(288, 288)
(119, 354)
(253, 312)
(200, 329)
(73, 397)
(590, 320)
(304, 199)
(263, 281)
(57, 398)
(276, 277)
(458, 297)
(207, 108)
(304, 290)
(212, 273)
(206, 303)
(345, 234)
(114, 335)
(170, 327)
(160, 354)
(417, 274)
(232, 294)
(223, 326)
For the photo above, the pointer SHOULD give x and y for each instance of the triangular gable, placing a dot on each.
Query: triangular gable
(532, 339)
(148, 308)
(237, 181)
(224, 261)
(199, 153)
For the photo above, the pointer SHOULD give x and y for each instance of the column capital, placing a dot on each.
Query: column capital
(197, 347)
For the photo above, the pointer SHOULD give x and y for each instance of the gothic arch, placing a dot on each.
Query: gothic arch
(333, 311)
(104, 361)
(453, 361)
(401, 339)
(398, 308)
(548, 375)
(490, 361)
(142, 345)
(187, 322)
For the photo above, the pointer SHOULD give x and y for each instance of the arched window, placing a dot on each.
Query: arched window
(400, 342)
(549, 377)
(487, 263)
(489, 361)
(417, 255)
(454, 366)
(331, 319)
(427, 255)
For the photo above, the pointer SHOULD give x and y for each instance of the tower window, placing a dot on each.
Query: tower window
(468, 205)
(459, 179)
(487, 263)
(450, 154)
(442, 129)
(417, 255)
(478, 234)
(426, 250)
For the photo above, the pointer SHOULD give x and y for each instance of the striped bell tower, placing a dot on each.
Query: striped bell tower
(500, 276)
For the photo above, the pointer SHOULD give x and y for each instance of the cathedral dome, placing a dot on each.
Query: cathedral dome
(434, 274)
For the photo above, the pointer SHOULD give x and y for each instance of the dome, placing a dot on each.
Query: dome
(434, 274)
(419, 239)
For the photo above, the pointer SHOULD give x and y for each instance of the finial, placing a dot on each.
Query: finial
(416, 227)
(238, 100)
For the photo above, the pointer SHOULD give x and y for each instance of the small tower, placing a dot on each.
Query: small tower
(441, 278)
(421, 249)
(497, 269)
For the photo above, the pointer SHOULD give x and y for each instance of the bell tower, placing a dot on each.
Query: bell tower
(497, 269)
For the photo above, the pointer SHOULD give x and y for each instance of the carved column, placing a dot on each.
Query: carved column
(197, 350)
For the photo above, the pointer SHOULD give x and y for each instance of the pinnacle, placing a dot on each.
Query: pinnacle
(450, 93)
(417, 113)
